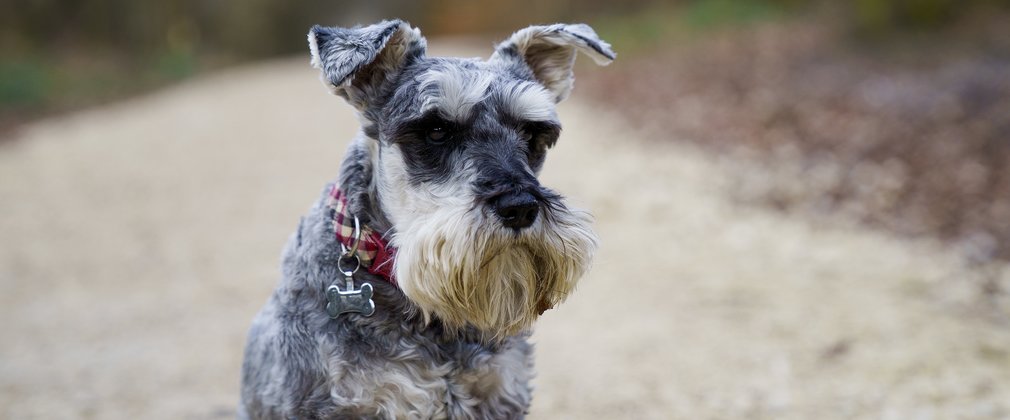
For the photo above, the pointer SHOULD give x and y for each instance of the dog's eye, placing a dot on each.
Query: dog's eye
(539, 136)
(528, 134)
(535, 135)
(437, 135)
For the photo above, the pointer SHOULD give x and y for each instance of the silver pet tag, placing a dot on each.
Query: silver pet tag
(352, 300)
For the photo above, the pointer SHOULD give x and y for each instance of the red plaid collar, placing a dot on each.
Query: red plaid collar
(374, 253)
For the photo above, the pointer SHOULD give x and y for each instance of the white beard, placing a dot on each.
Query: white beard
(465, 268)
(462, 266)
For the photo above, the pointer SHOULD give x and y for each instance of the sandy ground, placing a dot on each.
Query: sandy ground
(137, 241)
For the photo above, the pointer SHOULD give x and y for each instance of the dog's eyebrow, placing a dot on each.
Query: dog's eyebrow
(527, 101)
(454, 92)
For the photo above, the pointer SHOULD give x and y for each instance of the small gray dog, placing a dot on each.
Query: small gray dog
(410, 288)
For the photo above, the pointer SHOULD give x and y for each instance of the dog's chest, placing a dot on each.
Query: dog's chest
(469, 384)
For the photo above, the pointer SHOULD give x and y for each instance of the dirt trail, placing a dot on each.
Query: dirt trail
(137, 241)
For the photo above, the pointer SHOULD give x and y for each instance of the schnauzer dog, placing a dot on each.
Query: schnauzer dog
(410, 288)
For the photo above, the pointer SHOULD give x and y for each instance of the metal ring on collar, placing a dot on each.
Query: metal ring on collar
(357, 264)
(357, 237)
(353, 252)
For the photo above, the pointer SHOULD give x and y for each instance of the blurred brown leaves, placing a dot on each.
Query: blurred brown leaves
(912, 134)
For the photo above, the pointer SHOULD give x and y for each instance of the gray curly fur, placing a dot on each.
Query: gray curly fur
(292, 329)
(301, 364)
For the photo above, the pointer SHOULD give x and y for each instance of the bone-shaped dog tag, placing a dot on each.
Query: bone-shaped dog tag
(341, 302)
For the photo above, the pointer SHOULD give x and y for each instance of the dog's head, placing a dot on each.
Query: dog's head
(455, 147)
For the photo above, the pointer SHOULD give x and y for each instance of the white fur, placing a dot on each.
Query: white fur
(316, 62)
(457, 91)
(528, 101)
(456, 263)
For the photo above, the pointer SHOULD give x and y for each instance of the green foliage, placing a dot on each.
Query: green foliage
(637, 31)
(23, 83)
(31, 83)
(704, 14)
(174, 65)
(664, 22)
(876, 16)
(149, 43)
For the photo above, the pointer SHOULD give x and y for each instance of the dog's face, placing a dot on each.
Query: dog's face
(456, 148)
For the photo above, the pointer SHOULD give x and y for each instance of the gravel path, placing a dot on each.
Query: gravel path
(137, 241)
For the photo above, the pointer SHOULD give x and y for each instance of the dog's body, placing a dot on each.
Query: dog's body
(391, 363)
(445, 169)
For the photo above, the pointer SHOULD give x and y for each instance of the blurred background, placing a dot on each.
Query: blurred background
(824, 188)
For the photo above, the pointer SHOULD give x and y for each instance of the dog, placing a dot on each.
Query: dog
(410, 288)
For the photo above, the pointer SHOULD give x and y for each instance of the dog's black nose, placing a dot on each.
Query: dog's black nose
(517, 210)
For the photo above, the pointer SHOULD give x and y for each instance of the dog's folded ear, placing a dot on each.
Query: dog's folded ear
(549, 52)
(356, 63)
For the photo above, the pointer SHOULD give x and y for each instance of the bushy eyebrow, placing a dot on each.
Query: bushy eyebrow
(454, 92)
(526, 101)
